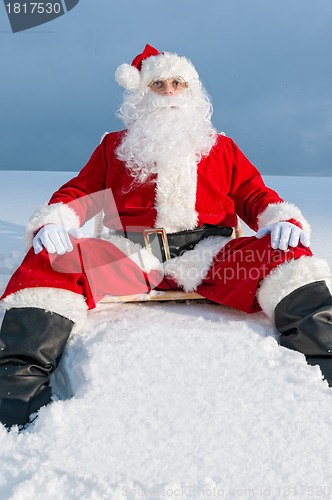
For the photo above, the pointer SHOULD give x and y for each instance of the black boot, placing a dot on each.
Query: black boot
(304, 319)
(31, 344)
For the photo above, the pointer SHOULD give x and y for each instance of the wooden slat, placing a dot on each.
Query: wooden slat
(155, 296)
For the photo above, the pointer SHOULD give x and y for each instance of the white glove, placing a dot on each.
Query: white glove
(54, 237)
(283, 235)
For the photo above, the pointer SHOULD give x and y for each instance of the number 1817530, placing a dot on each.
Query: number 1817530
(33, 8)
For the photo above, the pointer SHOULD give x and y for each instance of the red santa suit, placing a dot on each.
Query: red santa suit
(168, 170)
(228, 271)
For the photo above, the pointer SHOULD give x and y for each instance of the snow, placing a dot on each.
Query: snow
(171, 400)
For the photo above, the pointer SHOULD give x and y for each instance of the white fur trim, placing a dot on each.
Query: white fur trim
(176, 196)
(57, 213)
(289, 276)
(128, 77)
(173, 218)
(64, 302)
(276, 212)
(165, 66)
(190, 269)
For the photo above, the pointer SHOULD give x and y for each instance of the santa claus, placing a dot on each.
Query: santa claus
(171, 189)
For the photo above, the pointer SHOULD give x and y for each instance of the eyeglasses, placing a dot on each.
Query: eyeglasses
(177, 83)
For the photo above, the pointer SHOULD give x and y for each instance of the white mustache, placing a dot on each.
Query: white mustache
(152, 102)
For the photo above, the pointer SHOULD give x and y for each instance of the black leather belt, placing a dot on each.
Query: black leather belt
(168, 245)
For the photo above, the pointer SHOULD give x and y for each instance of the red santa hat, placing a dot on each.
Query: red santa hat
(151, 64)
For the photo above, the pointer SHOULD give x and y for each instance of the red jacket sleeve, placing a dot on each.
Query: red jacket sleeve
(248, 191)
(85, 192)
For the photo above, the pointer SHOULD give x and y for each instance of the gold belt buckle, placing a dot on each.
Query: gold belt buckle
(158, 230)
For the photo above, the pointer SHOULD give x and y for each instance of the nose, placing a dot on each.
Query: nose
(168, 90)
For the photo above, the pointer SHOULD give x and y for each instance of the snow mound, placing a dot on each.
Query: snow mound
(175, 400)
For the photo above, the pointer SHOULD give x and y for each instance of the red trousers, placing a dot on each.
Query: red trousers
(96, 268)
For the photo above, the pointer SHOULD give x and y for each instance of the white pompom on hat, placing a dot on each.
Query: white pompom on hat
(151, 64)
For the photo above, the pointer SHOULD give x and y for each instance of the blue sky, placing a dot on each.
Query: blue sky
(266, 64)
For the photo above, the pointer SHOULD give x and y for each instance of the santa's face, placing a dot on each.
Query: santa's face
(168, 123)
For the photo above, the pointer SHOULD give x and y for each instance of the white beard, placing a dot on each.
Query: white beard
(167, 136)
